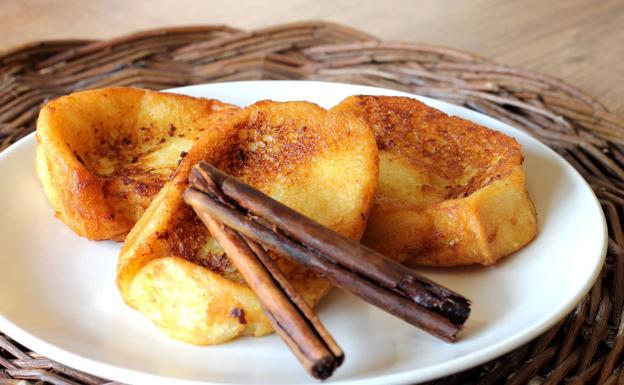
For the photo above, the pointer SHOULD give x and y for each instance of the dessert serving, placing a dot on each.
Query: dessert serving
(103, 154)
(323, 165)
(450, 192)
(237, 221)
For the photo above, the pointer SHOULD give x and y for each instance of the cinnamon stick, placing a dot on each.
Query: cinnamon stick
(342, 250)
(348, 264)
(291, 317)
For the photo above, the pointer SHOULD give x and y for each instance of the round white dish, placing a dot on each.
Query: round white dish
(58, 296)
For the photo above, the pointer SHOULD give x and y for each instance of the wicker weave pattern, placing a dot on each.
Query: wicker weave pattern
(584, 348)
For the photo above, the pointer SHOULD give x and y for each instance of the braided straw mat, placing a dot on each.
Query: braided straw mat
(584, 348)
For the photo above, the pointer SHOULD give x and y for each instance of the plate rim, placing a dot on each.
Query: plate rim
(438, 370)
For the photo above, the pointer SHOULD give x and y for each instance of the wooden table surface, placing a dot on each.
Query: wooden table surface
(579, 41)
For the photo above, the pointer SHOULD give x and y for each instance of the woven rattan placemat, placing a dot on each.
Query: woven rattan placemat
(584, 348)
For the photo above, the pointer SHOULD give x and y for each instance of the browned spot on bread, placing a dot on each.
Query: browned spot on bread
(263, 149)
(187, 234)
(218, 263)
(449, 147)
(238, 313)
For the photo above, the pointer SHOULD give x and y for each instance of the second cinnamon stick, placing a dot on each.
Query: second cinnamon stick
(288, 313)
(348, 264)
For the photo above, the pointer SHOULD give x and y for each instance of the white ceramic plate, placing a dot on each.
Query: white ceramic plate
(58, 297)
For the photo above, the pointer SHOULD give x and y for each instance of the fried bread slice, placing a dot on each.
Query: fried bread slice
(102, 155)
(450, 192)
(320, 164)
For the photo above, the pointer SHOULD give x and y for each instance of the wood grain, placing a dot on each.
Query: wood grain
(579, 41)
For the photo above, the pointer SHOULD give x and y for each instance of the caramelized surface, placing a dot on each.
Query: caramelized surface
(103, 155)
(322, 165)
(450, 192)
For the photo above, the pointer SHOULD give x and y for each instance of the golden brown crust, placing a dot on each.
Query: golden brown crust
(103, 154)
(322, 165)
(450, 192)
